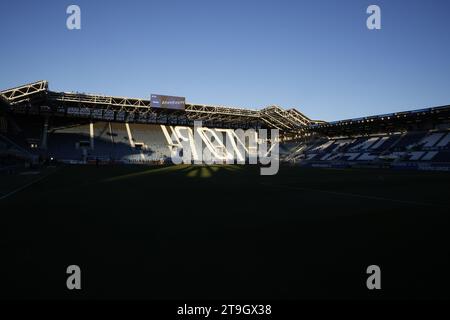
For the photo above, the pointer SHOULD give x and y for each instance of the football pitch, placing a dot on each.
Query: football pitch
(224, 232)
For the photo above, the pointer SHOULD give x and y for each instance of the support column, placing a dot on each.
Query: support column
(91, 134)
(130, 137)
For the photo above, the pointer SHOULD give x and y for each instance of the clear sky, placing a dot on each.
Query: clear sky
(317, 55)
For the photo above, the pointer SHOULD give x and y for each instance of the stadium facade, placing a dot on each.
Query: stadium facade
(78, 127)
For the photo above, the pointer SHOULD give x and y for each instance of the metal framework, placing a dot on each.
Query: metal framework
(413, 120)
(36, 98)
(23, 93)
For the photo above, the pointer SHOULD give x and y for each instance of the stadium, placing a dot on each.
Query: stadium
(92, 175)
(196, 157)
(80, 128)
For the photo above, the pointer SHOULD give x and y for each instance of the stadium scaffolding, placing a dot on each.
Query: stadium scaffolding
(36, 98)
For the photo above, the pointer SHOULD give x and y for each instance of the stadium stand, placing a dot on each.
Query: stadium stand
(79, 128)
(103, 141)
(123, 147)
(151, 139)
(411, 146)
(68, 141)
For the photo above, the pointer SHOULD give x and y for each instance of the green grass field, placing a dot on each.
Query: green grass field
(224, 232)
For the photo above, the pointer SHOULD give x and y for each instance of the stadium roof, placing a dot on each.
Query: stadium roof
(37, 98)
(405, 120)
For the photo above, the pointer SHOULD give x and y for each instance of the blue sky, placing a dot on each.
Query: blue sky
(317, 56)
